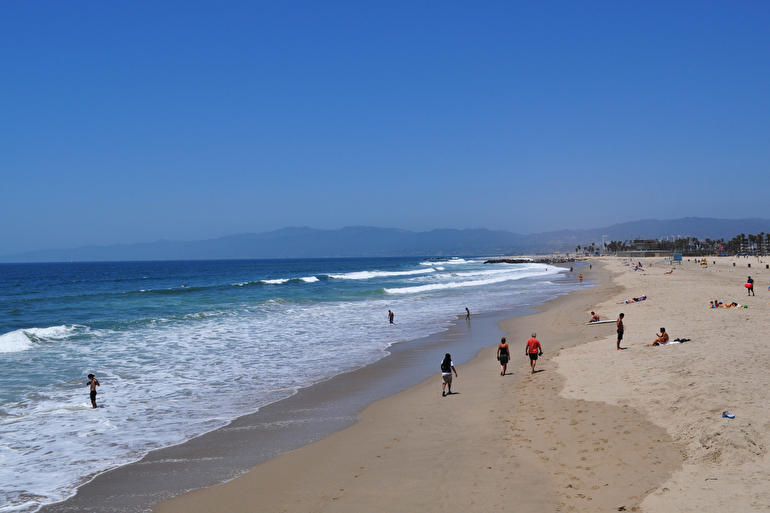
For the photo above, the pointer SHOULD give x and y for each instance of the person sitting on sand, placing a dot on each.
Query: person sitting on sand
(594, 317)
(661, 339)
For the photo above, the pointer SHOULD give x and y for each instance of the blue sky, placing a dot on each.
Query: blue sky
(129, 122)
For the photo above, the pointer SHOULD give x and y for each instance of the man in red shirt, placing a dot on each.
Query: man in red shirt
(533, 350)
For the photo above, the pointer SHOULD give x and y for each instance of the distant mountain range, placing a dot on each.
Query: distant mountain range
(364, 241)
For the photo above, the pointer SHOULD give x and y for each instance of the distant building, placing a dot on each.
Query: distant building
(636, 254)
(643, 244)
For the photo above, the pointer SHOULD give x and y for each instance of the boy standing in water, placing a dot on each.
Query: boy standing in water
(93, 383)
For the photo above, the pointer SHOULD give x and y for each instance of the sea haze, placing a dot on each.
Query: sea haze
(363, 241)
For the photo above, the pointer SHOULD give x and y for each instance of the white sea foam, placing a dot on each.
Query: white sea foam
(451, 261)
(470, 279)
(54, 332)
(161, 381)
(21, 340)
(366, 275)
(276, 282)
(14, 341)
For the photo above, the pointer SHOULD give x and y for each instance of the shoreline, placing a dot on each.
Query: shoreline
(475, 449)
(309, 415)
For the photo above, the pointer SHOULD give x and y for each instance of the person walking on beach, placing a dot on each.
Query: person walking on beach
(750, 288)
(467, 314)
(391, 315)
(93, 383)
(533, 350)
(620, 328)
(581, 278)
(447, 367)
(503, 355)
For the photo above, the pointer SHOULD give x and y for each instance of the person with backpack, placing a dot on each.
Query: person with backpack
(447, 367)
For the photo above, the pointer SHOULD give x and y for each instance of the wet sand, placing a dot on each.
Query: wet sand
(310, 415)
(498, 443)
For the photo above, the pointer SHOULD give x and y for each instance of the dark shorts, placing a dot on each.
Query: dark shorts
(533, 356)
(93, 395)
(620, 334)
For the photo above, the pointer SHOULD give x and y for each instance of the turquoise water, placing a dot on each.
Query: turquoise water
(182, 348)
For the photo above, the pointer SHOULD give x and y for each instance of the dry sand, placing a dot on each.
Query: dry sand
(685, 387)
(596, 430)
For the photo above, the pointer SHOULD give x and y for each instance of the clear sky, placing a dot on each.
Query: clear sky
(131, 121)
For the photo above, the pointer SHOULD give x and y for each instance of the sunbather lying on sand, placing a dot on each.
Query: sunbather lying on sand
(719, 304)
(669, 272)
(633, 300)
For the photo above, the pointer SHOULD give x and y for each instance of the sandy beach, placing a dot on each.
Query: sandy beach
(685, 388)
(596, 429)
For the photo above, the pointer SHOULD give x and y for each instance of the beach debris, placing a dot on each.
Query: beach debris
(727, 415)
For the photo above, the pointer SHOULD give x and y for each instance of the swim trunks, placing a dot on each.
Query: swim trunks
(533, 356)
(620, 334)
(93, 395)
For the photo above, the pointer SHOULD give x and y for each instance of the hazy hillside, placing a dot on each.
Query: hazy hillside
(361, 241)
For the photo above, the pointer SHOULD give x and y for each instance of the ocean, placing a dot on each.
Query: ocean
(183, 348)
